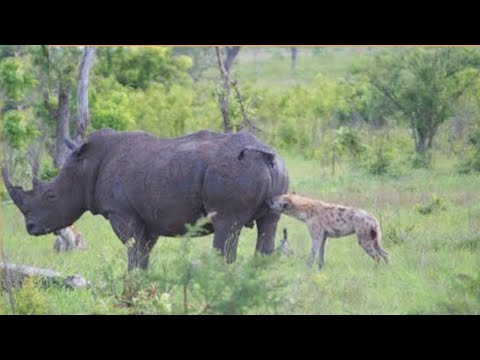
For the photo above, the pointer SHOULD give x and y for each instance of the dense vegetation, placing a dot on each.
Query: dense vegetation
(393, 130)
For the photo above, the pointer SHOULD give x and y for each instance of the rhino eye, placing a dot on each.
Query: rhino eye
(50, 196)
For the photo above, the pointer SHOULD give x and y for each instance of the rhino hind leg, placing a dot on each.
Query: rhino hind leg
(266, 229)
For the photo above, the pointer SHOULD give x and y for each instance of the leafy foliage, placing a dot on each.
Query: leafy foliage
(436, 203)
(472, 160)
(30, 299)
(422, 85)
(18, 129)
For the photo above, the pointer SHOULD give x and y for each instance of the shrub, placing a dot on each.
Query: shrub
(472, 161)
(436, 203)
(30, 299)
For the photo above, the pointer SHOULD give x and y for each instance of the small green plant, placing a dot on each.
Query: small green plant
(30, 299)
(421, 161)
(349, 140)
(465, 299)
(398, 234)
(472, 160)
(436, 204)
(379, 162)
(48, 172)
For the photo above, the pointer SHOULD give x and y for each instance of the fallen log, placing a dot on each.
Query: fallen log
(14, 276)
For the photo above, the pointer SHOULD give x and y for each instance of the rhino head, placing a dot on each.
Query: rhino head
(49, 206)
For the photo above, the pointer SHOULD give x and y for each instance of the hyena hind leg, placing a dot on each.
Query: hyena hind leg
(368, 245)
(381, 252)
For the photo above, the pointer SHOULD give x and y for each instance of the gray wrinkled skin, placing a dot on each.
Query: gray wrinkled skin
(149, 187)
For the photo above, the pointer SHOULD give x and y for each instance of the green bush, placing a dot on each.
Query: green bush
(350, 141)
(436, 204)
(30, 299)
(421, 161)
(378, 160)
(472, 159)
(48, 171)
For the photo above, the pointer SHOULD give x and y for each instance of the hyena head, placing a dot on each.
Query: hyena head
(289, 204)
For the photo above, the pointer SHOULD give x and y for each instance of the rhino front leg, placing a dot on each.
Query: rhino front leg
(128, 227)
(139, 252)
(266, 228)
(225, 239)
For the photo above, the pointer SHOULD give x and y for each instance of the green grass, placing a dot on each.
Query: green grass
(434, 269)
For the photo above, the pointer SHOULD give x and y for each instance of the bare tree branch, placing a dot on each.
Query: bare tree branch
(232, 52)
(223, 96)
(82, 93)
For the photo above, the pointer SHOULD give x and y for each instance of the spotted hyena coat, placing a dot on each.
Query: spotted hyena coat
(326, 220)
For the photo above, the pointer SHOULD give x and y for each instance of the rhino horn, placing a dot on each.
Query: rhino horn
(17, 194)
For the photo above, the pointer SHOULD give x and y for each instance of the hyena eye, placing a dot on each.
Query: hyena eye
(286, 206)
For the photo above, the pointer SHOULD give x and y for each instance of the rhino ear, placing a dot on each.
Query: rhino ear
(80, 150)
(36, 183)
(77, 149)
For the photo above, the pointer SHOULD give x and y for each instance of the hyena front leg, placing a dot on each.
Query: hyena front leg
(317, 238)
(321, 256)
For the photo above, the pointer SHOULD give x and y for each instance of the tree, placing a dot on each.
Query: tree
(139, 67)
(422, 85)
(232, 52)
(17, 82)
(223, 98)
(82, 92)
(294, 53)
(57, 66)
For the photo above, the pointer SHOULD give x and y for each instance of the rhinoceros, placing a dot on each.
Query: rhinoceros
(149, 187)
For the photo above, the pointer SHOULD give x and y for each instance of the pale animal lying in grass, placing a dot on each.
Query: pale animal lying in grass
(326, 220)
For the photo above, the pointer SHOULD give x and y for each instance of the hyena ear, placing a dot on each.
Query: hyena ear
(293, 193)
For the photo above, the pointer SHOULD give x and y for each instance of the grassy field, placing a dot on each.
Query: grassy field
(431, 228)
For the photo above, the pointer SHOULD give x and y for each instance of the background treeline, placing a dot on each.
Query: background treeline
(379, 107)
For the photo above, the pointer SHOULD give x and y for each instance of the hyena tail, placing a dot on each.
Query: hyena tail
(376, 235)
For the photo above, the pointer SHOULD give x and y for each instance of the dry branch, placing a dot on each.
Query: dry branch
(14, 276)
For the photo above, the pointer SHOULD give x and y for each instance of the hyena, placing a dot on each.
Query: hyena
(326, 220)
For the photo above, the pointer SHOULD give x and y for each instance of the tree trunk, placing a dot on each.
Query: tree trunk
(421, 140)
(63, 125)
(294, 58)
(82, 93)
(33, 152)
(431, 135)
(223, 95)
(232, 52)
(69, 238)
